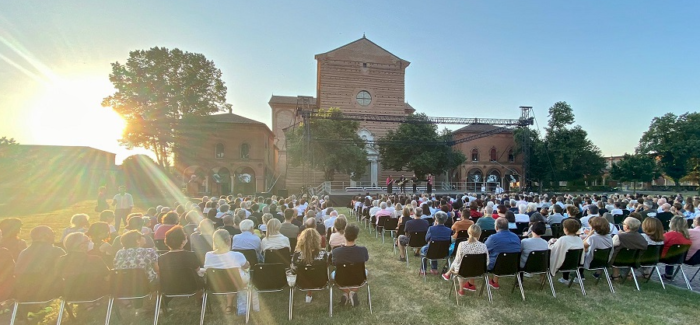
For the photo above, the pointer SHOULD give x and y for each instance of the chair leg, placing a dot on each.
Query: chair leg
(661, 279)
(551, 284)
(155, 317)
(406, 255)
(204, 309)
(60, 312)
(425, 271)
(369, 299)
(455, 281)
(14, 313)
(696, 273)
(687, 283)
(330, 301)
(522, 290)
(580, 282)
(382, 235)
(488, 289)
(291, 303)
(607, 277)
(634, 277)
(249, 295)
(109, 310)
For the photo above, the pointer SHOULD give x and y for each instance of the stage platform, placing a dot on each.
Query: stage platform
(343, 198)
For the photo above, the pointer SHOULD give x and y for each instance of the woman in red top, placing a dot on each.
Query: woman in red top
(677, 235)
(474, 213)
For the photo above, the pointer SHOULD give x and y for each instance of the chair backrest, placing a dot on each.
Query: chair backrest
(457, 242)
(507, 264)
(314, 276)
(269, 276)
(401, 230)
(382, 221)
(417, 239)
(35, 287)
(521, 227)
(179, 281)
(250, 255)
(391, 223)
(221, 281)
(485, 234)
(282, 256)
(463, 234)
(690, 223)
(350, 275)
(430, 221)
(651, 256)
(472, 265)
(627, 257)
(160, 245)
(292, 244)
(666, 223)
(572, 260)
(601, 258)
(626, 213)
(438, 249)
(537, 262)
(85, 287)
(675, 254)
(128, 283)
(557, 230)
(618, 218)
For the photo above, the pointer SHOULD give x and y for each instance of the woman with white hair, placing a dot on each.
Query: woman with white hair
(78, 223)
(273, 239)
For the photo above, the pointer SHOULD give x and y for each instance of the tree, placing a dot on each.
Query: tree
(417, 146)
(573, 156)
(675, 141)
(333, 147)
(634, 168)
(159, 87)
(540, 170)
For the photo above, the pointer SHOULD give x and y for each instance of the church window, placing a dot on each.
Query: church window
(511, 156)
(493, 154)
(219, 151)
(245, 151)
(364, 98)
(475, 154)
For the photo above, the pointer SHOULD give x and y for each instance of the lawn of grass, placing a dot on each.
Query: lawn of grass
(400, 296)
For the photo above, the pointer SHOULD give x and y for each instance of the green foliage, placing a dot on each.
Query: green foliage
(675, 141)
(156, 89)
(540, 168)
(406, 148)
(634, 168)
(335, 146)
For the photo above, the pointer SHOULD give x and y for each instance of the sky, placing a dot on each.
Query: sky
(617, 63)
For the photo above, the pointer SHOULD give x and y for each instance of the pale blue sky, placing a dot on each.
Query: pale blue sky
(618, 63)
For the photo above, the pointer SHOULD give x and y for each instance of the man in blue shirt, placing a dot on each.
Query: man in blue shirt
(438, 232)
(503, 241)
(414, 225)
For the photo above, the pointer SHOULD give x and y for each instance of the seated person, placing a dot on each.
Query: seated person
(557, 216)
(534, 243)
(177, 258)
(7, 268)
(470, 246)
(222, 257)
(78, 223)
(11, 228)
(598, 237)
(338, 236)
(629, 237)
(247, 239)
(170, 220)
(91, 270)
(288, 228)
(559, 247)
(37, 262)
(108, 217)
(350, 254)
(308, 251)
(503, 241)
(414, 225)
(133, 222)
(462, 224)
(201, 240)
(653, 231)
(134, 255)
(273, 239)
(677, 235)
(437, 232)
(99, 234)
(230, 225)
(487, 223)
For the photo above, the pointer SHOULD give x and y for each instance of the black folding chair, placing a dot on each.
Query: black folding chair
(508, 264)
(601, 261)
(557, 230)
(521, 227)
(160, 245)
(292, 245)
(282, 256)
(351, 276)
(380, 226)
(267, 277)
(650, 259)
(462, 234)
(223, 282)
(485, 234)
(416, 239)
(437, 250)
(473, 266)
(572, 263)
(618, 219)
(456, 246)
(82, 289)
(250, 255)
(675, 256)
(430, 221)
(176, 283)
(127, 284)
(390, 226)
(627, 259)
(312, 278)
(32, 289)
(538, 263)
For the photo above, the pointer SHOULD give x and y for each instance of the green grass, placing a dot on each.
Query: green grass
(400, 296)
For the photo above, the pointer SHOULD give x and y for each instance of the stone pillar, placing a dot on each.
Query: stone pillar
(374, 170)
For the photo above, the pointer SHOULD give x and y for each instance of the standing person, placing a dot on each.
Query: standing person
(402, 184)
(122, 203)
(389, 183)
(101, 200)
(429, 184)
(414, 182)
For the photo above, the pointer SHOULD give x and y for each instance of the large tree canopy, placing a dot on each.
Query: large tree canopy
(675, 141)
(419, 147)
(634, 168)
(333, 147)
(156, 88)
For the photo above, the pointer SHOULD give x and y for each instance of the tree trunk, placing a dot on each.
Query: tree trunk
(634, 187)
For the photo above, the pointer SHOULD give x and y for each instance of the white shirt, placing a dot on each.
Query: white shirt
(227, 260)
(123, 201)
(522, 218)
(329, 222)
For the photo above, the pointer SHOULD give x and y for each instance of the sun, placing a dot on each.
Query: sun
(69, 112)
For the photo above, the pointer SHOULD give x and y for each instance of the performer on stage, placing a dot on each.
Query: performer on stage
(402, 184)
(430, 184)
(414, 180)
(389, 183)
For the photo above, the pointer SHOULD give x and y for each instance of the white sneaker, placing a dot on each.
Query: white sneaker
(576, 280)
(527, 275)
(308, 299)
(561, 280)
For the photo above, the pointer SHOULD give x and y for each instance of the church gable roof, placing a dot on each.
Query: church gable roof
(227, 118)
(362, 50)
(480, 128)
